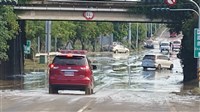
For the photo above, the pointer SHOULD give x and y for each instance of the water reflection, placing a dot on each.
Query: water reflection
(30, 80)
(120, 56)
(150, 74)
(35, 80)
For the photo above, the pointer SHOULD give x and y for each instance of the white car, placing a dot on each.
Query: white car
(120, 48)
(157, 61)
(165, 46)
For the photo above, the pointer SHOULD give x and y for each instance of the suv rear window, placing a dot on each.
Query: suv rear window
(164, 44)
(152, 57)
(75, 60)
(176, 42)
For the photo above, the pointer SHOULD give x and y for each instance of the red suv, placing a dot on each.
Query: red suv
(71, 70)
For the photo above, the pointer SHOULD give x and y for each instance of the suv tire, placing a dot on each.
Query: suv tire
(159, 67)
(52, 90)
(88, 90)
(171, 67)
(144, 68)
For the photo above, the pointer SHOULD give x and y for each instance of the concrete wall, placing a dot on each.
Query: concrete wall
(15, 64)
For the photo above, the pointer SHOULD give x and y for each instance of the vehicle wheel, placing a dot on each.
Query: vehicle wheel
(159, 67)
(160, 50)
(171, 67)
(92, 91)
(116, 51)
(126, 51)
(52, 90)
(144, 68)
(92, 86)
(88, 90)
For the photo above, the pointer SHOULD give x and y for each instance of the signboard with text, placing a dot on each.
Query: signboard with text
(196, 43)
(170, 2)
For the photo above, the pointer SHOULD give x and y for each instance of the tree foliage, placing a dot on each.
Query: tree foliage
(8, 29)
(120, 31)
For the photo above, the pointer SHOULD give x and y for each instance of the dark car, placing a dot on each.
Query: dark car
(149, 44)
(71, 71)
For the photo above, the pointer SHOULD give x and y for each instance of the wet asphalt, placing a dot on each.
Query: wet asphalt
(121, 85)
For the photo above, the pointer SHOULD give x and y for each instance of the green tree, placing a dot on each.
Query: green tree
(188, 21)
(120, 31)
(86, 31)
(8, 29)
(35, 29)
(141, 33)
(64, 31)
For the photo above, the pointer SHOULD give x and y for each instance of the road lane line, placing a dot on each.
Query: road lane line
(85, 106)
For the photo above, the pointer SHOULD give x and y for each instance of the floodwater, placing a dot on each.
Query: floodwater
(116, 71)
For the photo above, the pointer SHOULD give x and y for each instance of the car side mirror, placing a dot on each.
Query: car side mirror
(178, 56)
(94, 67)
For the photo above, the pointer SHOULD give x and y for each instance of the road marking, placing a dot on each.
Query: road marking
(85, 106)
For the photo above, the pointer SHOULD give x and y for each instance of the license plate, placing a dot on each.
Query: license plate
(69, 73)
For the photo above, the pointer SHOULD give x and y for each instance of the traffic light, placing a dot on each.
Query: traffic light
(8, 2)
(160, 12)
(152, 1)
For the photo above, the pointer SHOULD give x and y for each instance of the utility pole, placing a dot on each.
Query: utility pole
(55, 44)
(129, 35)
(47, 39)
(146, 30)
(151, 30)
(48, 36)
(38, 44)
(137, 37)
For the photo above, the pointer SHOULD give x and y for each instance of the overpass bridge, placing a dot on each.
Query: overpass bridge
(84, 11)
(69, 11)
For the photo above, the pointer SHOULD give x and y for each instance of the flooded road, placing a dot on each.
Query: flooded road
(116, 71)
(118, 88)
(121, 84)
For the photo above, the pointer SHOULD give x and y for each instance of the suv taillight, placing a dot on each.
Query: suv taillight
(52, 66)
(86, 69)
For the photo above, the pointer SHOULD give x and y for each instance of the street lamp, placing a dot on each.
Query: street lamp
(185, 10)
(198, 10)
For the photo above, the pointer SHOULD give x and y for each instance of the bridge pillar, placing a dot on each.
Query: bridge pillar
(15, 63)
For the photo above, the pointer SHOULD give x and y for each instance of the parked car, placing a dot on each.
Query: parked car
(157, 61)
(176, 45)
(109, 47)
(71, 70)
(165, 46)
(149, 44)
(120, 49)
(173, 34)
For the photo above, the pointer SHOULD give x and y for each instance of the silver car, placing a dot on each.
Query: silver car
(157, 61)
